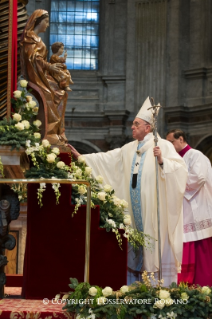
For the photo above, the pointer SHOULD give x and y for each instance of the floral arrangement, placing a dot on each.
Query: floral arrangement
(23, 125)
(139, 300)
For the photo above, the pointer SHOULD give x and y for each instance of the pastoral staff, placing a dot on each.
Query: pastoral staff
(130, 170)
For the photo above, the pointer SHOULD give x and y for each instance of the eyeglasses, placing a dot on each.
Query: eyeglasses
(136, 124)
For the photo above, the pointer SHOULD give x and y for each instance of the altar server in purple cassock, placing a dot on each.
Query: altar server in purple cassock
(131, 171)
(197, 213)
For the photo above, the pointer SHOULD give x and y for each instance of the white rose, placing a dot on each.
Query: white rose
(17, 117)
(37, 123)
(56, 150)
(101, 195)
(17, 94)
(99, 179)
(81, 159)
(92, 291)
(107, 291)
(124, 289)
(159, 304)
(164, 294)
(88, 170)
(169, 301)
(35, 109)
(127, 219)
(108, 188)
(116, 200)
(82, 189)
(60, 164)
(78, 173)
(50, 158)
(184, 296)
(37, 135)
(121, 226)
(23, 83)
(19, 126)
(206, 290)
(123, 203)
(28, 142)
(45, 143)
(32, 104)
(29, 98)
(101, 300)
(26, 124)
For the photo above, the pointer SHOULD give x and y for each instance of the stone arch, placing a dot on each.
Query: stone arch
(205, 146)
(84, 147)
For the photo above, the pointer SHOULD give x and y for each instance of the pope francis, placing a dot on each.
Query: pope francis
(130, 170)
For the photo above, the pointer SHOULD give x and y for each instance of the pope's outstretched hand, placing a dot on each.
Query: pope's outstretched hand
(74, 151)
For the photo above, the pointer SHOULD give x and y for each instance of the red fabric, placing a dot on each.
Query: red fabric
(25, 309)
(14, 280)
(188, 263)
(14, 49)
(184, 150)
(197, 263)
(55, 247)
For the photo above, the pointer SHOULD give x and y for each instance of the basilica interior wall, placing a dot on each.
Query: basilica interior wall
(157, 48)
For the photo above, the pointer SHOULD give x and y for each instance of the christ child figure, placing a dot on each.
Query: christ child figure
(64, 77)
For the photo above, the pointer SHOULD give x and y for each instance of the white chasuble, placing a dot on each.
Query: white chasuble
(115, 167)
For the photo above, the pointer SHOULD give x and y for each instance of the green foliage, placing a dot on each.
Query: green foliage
(140, 300)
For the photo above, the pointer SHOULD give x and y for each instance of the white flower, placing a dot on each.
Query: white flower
(81, 159)
(184, 296)
(19, 197)
(19, 126)
(92, 291)
(164, 294)
(101, 195)
(159, 304)
(78, 173)
(45, 143)
(116, 200)
(101, 300)
(26, 124)
(37, 123)
(29, 98)
(99, 179)
(37, 135)
(17, 94)
(121, 226)
(123, 203)
(88, 170)
(17, 117)
(56, 150)
(169, 301)
(65, 297)
(108, 188)
(50, 158)
(127, 219)
(42, 185)
(35, 109)
(107, 291)
(32, 104)
(111, 222)
(82, 189)
(28, 142)
(23, 83)
(124, 289)
(60, 164)
(57, 297)
(206, 290)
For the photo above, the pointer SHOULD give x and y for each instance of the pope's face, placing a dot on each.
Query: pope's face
(178, 143)
(140, 129)
(43, 25)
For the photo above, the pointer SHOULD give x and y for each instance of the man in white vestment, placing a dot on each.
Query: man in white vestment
(197, 213)
(130, 170)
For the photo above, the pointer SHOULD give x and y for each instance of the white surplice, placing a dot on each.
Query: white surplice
(115, 167)
(197, 202)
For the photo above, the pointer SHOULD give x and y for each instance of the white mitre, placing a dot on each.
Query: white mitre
(144, 113)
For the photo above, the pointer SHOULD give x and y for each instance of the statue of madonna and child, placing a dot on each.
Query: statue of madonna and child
(49, 81)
